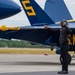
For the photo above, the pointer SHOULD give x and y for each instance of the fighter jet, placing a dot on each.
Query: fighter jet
(53, 13)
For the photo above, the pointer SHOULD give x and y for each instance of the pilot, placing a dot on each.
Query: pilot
(63, 41)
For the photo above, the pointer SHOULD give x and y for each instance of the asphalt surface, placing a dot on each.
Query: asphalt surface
(20, 64)
(37, 73)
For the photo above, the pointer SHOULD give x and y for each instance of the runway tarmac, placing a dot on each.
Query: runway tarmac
(20, 64)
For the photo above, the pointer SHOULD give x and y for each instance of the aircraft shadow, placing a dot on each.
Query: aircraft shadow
(32, 63)
(29, 63)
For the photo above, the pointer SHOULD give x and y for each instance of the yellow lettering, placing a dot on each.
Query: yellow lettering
(69, 40)
(32, 13)
(73, 39)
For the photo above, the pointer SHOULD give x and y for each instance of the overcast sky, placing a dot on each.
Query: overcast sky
(21, 19)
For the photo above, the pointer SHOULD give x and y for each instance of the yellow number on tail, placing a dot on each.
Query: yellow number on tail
(32, 13)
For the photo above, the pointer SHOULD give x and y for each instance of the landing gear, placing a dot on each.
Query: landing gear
(69, 59)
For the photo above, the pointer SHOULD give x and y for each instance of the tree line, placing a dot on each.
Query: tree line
(20, 44)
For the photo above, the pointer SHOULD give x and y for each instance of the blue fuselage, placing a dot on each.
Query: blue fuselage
(8, 8)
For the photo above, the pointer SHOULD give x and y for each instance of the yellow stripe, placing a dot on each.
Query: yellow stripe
(70, 20)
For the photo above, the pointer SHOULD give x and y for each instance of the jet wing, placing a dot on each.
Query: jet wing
(32, 34)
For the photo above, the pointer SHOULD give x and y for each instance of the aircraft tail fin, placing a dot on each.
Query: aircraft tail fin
(35, 13)
(57, 10)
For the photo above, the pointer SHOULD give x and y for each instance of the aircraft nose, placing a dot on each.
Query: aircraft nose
(8, 8)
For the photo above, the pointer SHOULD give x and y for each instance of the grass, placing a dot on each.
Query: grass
(27, 51)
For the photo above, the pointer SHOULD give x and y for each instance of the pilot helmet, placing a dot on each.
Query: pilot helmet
(66, 23)
(63, 22)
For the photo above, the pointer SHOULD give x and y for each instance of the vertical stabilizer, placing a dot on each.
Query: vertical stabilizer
(57, 10)
(35, 13)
